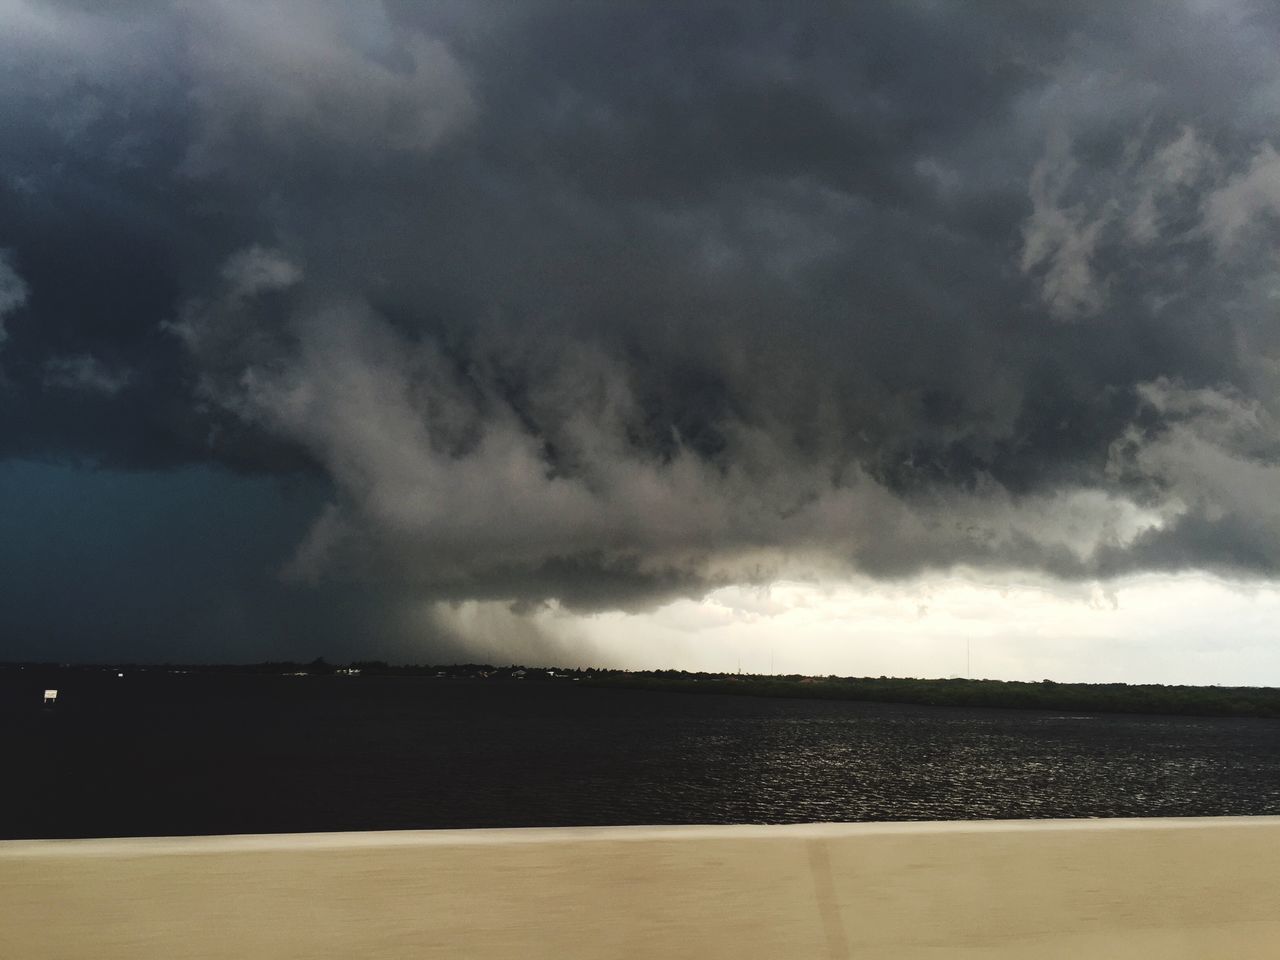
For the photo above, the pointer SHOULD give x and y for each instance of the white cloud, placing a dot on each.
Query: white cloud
(1244, 198)
(1062, 239)
(1175, 166)
(257, 270)
(1220, 455)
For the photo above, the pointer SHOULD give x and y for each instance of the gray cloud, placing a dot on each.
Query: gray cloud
(1246, 197)
(13, 292)
(611, 304)
(282, 79)
(84, 372)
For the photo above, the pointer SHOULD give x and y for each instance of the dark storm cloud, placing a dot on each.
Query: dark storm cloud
(612, 302)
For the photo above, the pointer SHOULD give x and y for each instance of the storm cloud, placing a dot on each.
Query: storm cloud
(610, 304)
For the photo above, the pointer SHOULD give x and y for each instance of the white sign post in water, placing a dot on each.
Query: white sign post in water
(50, 697)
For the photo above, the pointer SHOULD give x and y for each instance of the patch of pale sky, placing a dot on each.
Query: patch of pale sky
(1191, 628)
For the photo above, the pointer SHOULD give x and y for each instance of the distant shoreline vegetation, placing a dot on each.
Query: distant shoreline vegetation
(999, 694)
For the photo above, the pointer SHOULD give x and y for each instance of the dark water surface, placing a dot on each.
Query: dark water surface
(189, 754)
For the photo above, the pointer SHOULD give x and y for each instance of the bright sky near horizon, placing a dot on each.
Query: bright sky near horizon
(1190, 629)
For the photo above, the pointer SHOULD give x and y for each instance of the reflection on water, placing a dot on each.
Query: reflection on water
(202, 754)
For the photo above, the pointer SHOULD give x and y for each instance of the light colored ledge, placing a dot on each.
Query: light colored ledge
(1078, 889)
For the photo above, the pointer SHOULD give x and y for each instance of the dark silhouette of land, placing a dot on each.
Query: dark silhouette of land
(1209, 701)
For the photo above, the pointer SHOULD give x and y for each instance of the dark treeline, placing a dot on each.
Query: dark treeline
(1045, 695)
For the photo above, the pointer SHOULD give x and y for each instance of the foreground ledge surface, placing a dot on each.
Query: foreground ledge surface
(1176, 888)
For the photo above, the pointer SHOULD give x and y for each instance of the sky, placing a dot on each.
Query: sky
(907, 339)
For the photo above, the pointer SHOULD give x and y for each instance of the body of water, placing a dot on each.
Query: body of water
(159, 754)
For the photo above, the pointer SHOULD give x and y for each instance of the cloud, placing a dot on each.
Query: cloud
(1063, 239)
(617, 305)
(283, 78)
(1215, 464)
(256, 270)
(13, 291)
(1176, 166)
(1247, 196)
(86, 373)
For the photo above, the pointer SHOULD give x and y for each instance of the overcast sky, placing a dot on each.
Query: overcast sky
(921, 338)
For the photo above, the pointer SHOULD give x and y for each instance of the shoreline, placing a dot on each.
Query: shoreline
(1090, 698)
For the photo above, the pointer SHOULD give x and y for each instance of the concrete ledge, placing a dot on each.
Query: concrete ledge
(1194, 888)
